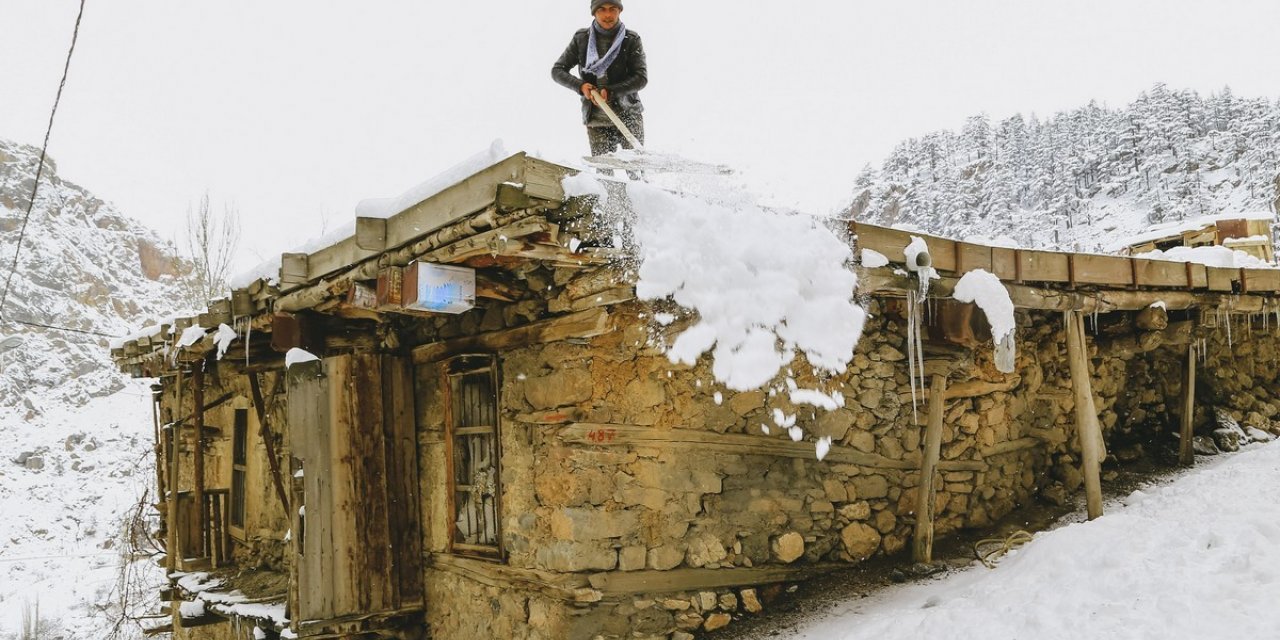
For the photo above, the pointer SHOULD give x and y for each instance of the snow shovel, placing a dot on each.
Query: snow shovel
(617, 122)
(647, 160)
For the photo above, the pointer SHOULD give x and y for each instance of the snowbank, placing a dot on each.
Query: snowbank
(1211, 256)
(1199, 558)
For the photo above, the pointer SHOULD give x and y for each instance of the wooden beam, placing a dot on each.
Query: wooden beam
(688, 579)
(1186, 452)
(558, 586)
(975, 388)
(1087, 425)
(264, 431)
(371, 233)
(197, 391)
(172, 552)
(922, 544)
(619, 435)
(584, 324)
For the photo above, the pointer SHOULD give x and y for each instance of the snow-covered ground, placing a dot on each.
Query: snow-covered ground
(1198, 558)
(69, 477)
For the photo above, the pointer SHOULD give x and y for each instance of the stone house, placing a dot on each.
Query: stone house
(536, 467)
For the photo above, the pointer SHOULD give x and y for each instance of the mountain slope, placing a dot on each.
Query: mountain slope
(1085, 177)
(83, 266)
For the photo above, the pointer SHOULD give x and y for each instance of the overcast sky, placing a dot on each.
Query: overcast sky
(296, 110)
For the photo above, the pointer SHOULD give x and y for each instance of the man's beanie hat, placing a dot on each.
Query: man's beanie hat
(596, 4)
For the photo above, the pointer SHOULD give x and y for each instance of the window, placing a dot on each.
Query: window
(473, 455)
(239, 459)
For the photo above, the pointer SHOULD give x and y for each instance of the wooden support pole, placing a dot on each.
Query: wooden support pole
(922, 545)
(1186, 453)
(264, 417)
(1087, 425)
(160, 441)
(173, 553)
(197, 392)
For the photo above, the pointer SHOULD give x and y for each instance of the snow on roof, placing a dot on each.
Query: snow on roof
(1167, 229)
(387, 207)
(1211, 256)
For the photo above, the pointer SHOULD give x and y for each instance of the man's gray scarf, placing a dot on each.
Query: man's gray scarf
(596, 65)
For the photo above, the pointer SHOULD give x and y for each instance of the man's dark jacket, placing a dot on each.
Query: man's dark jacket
(627, 75)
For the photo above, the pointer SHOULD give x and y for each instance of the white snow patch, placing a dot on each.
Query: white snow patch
(764, 284)
(873, 259)
(583, 184)
(223, 338)
(830, 402)
(719, 398)
(822, 447)
(985, 289)
(190, 336)
(1211, 256)
(664, 319)
(298, 356)
(1197, 558)
(1159, 304)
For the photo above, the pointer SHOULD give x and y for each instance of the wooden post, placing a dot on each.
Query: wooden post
(264, 415)
(197, 420)
(1087, 425)
(1186, 454)
(172, 550)
(922, 545)
(161, 441)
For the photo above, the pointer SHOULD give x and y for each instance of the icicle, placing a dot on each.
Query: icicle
(1229, 342)
(911, 352)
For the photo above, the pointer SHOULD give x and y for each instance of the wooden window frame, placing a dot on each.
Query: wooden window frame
(455, 369)
(239, 465)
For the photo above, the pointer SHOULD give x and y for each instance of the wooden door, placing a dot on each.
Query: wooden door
(357, 531)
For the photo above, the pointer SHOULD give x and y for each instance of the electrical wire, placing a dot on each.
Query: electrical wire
(35, 190)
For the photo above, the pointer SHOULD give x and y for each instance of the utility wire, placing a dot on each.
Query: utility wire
(35, 189)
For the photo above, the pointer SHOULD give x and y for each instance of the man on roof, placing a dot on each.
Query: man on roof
(610, 60)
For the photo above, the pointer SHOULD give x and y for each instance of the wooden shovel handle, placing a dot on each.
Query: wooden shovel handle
(613, 117)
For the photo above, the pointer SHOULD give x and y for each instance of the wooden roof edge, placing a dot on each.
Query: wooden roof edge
(1021, 265)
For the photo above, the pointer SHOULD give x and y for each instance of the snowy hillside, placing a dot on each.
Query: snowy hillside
(76, 456)
(69, 480)
(1083, 178)
(83, 266)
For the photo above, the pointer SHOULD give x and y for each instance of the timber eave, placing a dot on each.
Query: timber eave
(514, 210)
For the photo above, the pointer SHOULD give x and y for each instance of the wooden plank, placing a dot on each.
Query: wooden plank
(544, 180)
(347, 553)
(689, 579)
(584, 324)
(1223, 279)
(404, 520)
(460, 200)
(1186, 452)
(922, 543)
(1261, 280)
(264, 413)
(371, 233)
(889, 242)
(293, 269)
(1004, 263)
(1043, 266)
(371, 577)
(599, 434)
(335, 257)
(197, 422)
(970, 257)
(1108, 270)
(1087, 425)
(1198, 275)
(1159, 273)
(558, 586)
(308, 409)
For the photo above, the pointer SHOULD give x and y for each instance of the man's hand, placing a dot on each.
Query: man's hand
(587, 88)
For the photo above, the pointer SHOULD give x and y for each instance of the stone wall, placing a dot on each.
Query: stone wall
(655, 506)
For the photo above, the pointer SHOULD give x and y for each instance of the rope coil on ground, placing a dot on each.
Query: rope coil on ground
(989, 550)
